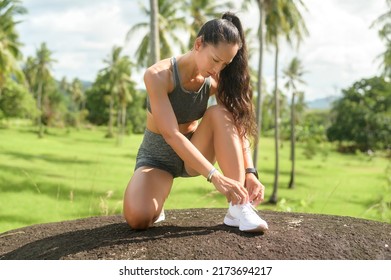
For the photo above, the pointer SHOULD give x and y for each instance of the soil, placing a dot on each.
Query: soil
(199, 234)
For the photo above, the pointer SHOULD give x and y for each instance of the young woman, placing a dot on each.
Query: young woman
(177, 144)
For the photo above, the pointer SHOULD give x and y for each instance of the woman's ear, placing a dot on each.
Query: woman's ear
(198, 43)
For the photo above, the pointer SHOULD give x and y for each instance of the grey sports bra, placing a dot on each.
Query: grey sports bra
(188, 106)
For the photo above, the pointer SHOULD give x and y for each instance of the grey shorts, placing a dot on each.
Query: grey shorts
(155, 152)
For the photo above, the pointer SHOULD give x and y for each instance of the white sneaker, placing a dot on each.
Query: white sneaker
(161, 217)
(245, 217)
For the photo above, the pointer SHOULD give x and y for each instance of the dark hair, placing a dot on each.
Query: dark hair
(234, 90)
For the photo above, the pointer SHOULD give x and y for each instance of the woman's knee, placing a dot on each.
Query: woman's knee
(219, 113)
(138, 219)
(221, 120)
(217, 109)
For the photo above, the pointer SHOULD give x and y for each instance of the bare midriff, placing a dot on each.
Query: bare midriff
(184, 128)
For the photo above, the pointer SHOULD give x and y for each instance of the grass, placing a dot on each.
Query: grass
(72, 174)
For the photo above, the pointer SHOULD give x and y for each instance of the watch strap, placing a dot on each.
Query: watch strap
(253, 171)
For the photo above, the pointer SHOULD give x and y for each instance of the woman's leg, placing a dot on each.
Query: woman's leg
(145, 196)
(217, 139)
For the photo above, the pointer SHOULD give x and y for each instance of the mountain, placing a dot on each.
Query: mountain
(322, 103)
(86, 84)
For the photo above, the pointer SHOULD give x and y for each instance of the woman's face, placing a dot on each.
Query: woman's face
(211, 59)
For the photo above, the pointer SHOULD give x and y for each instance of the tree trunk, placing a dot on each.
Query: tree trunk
(122, 122)
(273, 199)
(123, 118)
(119, 126)
(2, 82)
(110, 133)
(293, 141)
(259, 84)
(39, 106)
(154, 25)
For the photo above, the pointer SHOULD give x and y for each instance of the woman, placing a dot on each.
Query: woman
(177, 144)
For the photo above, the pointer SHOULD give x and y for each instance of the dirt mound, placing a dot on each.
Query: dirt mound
(200, 234)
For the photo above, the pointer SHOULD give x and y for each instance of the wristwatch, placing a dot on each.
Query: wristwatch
(253, 171)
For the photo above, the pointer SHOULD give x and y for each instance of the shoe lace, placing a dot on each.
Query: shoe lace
(248, 209)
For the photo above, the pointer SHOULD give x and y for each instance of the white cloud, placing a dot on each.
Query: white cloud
(341, 47)
(79, 35)
(340, 50)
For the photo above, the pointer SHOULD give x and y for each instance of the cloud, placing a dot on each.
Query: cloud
(340, 50)
(80, 33)
(342, 47)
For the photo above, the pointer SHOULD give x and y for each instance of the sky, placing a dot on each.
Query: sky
(341, 47)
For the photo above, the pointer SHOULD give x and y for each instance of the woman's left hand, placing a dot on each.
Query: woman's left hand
(255, 189)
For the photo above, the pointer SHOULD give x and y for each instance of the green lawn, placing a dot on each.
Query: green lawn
(72, 174)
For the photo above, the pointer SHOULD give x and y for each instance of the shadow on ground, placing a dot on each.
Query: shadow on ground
(200, 234)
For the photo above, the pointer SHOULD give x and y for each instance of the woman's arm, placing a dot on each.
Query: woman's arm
(157, 84)
(254, 187)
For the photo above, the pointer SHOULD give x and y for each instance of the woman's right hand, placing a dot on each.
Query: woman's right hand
(233, 190)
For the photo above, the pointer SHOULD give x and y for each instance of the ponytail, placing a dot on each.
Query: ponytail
(234, 86)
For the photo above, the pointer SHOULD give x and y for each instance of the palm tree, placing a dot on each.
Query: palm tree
(77, 96)
(264, 7)
(64, 86)
(385, 34)
(154, 25)
(110, 73)
(168, 23)
(117, 74)
(284, 19)
(125, 90)
(201, 11)
(43, 76)
(9, 40)
(29, 71)
(293, 73)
